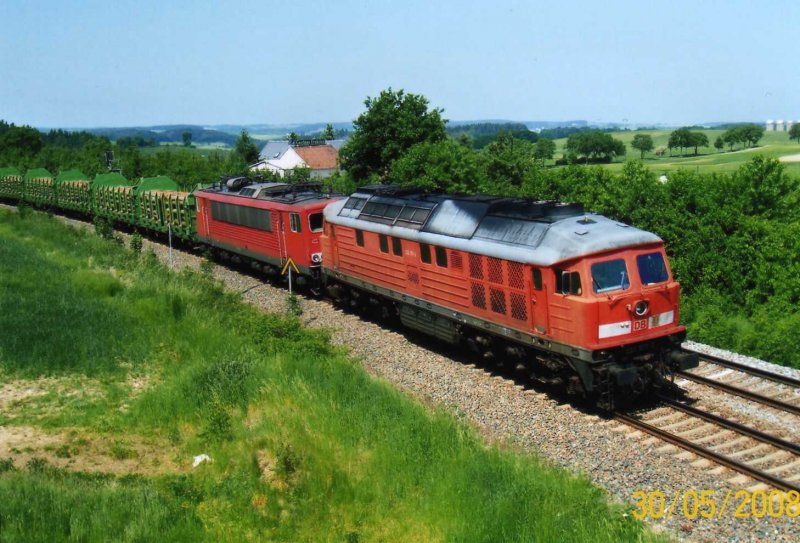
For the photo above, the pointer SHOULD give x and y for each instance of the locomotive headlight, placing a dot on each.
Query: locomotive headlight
(316, 258)
(641, 308)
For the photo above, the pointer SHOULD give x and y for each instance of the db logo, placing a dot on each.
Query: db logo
(640, 325)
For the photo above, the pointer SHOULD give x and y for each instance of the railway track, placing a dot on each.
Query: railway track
(767, 388)
(768, 459)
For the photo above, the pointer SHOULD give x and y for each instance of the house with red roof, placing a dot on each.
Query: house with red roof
(281, 157)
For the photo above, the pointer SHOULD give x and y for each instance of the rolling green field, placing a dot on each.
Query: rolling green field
(198, 149)
(116, 372)
(773, 144)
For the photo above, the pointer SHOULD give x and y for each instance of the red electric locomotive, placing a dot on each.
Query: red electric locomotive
(587, 300)
(267, 223)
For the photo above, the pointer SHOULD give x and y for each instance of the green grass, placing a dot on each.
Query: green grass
(773, 144)
(305, 445)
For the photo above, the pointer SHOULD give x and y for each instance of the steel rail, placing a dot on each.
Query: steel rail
(758, 372)
(737, 391)
(699, 450)
(733, 425)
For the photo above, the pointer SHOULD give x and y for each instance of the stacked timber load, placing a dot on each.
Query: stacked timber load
(11, 185)
(73, 191)
(114, 197)
(39, 187)
(162, 206)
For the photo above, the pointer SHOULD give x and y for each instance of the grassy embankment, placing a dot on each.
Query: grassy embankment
(126, 371)
(773, 145)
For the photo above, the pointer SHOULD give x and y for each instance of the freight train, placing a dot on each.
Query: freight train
(577, 298)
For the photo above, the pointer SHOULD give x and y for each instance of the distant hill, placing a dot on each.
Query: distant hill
(167, 134)
(281, 130)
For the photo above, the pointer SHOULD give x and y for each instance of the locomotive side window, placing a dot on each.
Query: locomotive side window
(441, 257)
(359, 238)
(384, 243)
(537, 279)
(610, 275)
(315, 222)
(296, 225)
(652, 268)
(425, 252)
(568, 282)
(250, 217)
(397, 247)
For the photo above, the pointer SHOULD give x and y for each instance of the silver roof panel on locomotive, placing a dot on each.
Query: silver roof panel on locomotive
(538, 233)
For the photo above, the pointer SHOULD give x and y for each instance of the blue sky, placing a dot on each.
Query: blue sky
(121, 63)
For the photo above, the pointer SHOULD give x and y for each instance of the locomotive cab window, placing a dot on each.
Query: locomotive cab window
(652, 268)
(296, 225)
(609, 276)
(315, 222)
(425, 253)
(384, 243)
(397, 247)
(568, 282)
(359, 238)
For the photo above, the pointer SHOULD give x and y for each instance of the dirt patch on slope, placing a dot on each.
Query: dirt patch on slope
(77, 450)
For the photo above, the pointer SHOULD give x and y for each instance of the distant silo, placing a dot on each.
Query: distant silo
(779, 125)
(770, 126)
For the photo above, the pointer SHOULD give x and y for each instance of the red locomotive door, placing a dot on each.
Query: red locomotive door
(293, 237)
(539, 303)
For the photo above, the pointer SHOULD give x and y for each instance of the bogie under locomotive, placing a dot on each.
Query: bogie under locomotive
(580, 299)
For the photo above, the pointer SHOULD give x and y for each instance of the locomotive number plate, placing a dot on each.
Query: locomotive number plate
(640, 325)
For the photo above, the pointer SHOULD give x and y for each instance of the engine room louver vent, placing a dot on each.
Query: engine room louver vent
(478, 295)
(498, 300)
(476, 266)
(515, 279)
(495, 270)
(519, 310)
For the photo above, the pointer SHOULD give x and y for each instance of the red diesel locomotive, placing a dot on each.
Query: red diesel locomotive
(590, 302)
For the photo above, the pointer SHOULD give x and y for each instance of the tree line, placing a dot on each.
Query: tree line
(25, 147)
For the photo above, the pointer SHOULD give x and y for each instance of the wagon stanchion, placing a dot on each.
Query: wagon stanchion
(169, 234)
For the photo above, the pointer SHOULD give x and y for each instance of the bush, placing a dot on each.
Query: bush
(103, 227)
(136, 243)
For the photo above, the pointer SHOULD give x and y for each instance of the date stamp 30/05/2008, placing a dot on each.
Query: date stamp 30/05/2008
(692, 504)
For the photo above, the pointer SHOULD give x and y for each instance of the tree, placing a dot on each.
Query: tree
(187, 139)
(731, 137)
(794, 132)
(293, 137)
(544, 149)
(643, 143)
(595, 145)
(719, 144)
(698, 139)
(443, 166)
(679, 139)
(21, 141)
(245, 148)
(507, 161)
(752, 133)
(393, 123)
(328, 133)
